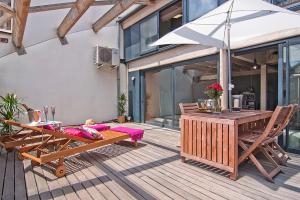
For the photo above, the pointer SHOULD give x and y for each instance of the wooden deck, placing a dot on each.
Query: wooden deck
(151, 171)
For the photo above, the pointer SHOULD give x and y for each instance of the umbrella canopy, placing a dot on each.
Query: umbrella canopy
(248, 19)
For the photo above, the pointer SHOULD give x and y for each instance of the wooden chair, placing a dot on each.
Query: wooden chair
(251, 142)
(274, 149)
(188, 108)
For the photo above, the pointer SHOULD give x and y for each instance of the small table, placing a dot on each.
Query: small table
(213, 138)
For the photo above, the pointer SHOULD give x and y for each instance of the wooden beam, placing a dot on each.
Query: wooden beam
(5, 18)
(145, 2)
(58, 6)
(146, 11)
(21, 13)
(73, 16)
(6, 8)
(115, 11)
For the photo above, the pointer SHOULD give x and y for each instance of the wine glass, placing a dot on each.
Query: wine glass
(46, 113)
(53, 112)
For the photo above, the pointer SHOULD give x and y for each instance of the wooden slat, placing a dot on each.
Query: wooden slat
(208, 141)
(195, 138)
(190, 138)
(19, 23)
(115, 11)
(220, 143)
(214, 142)
(73, 16)
(225, 144)
(182, 141)
(58, 6)
(199, 138)
(186, 135)
(232, 147)
(203, 140)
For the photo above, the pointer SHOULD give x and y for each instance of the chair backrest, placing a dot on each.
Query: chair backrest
(188, 107)
(279, 120)
(289, 116)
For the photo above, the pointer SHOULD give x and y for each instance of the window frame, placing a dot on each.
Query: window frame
(12, 2)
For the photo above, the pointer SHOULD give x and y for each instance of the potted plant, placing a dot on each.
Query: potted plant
(10, 109)
(214, 92)
(121, 107)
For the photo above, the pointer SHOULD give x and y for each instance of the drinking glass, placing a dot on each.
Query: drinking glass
(53, 112)
(46, 113)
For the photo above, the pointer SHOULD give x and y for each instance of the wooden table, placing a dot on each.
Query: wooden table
(213, 138)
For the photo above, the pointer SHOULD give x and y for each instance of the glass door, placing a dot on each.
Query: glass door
(159, 97)
(293, 93)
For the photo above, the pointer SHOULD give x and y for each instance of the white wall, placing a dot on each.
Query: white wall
(64, 76)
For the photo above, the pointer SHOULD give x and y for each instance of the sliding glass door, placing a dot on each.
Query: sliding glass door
(293, 93)
(183, 82)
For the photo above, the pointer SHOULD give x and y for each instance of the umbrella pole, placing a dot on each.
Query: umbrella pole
(230, 86)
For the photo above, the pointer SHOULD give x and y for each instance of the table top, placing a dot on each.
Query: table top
(241, 117)
(36, 124)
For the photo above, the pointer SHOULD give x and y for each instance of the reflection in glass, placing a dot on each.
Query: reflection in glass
(162, 98)
(200, 7)
(170, 18)
(132, 42)
(159, 109)
(190, 83)
(294, 131)
(149, 34)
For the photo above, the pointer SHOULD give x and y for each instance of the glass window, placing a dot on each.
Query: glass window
(6, 27)
(170, 18)
(132, 42)
(200, 7)
(149, 33)
(294, 132)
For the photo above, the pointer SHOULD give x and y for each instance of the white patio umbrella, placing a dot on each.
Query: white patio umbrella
(232, 23)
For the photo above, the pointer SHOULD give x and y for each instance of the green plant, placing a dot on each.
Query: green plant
(122, 104)
(10, 109)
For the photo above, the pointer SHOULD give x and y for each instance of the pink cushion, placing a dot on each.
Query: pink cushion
(79, 132)
(73, 132)
(136, 134)
(99, 127)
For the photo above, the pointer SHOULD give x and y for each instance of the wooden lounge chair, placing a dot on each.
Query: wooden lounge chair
(49, 147)
(188, 108)
(251, 142)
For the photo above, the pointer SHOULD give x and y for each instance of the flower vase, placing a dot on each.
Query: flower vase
(217, 106)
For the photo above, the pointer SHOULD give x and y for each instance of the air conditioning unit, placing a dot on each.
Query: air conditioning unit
(106, 57)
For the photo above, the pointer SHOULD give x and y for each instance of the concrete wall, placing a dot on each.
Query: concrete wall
(64, 76)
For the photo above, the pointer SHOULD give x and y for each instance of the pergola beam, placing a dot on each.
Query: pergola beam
(58, 6)
(73, 16)
(21, 13)
(115, 11)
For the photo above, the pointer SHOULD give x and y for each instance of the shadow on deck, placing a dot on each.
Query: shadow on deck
(151, 171)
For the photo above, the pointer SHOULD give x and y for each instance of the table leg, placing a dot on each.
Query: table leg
(183, 159)
(234, 175)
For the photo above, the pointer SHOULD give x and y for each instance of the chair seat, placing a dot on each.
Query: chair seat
(251, 137)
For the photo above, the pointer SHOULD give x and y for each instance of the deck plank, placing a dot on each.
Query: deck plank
(20, 185)
(9, 185)
(3, 158)
(153, 170)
